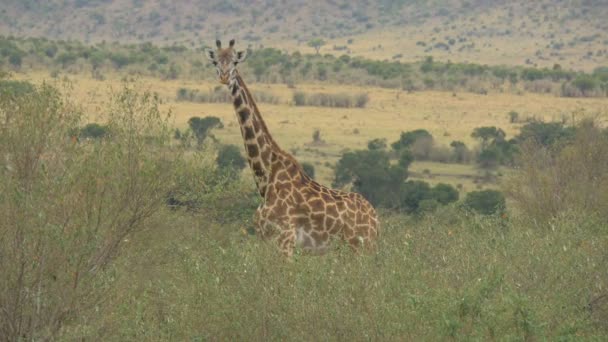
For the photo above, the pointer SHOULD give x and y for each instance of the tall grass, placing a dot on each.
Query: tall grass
(448, 276)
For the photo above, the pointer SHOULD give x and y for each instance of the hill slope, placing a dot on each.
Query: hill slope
(571, 33)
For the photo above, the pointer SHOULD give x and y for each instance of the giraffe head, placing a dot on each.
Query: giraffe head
(225, 60)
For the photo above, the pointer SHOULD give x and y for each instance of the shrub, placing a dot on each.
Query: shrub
(444, 193)
(570, 176)
(330, 100)
(93, 131)
(485, 202)
(10, 88)
(309, 169)
(67, 208)
(229, 158)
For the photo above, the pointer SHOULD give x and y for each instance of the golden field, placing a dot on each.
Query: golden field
(448, 116)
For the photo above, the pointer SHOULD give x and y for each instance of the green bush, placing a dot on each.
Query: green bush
(229, 158)
(309, 169)
(68, 208)
(372, 175)
(546, 134)
(485, 202)
(12, 88)
(94, 131)
(567, 175)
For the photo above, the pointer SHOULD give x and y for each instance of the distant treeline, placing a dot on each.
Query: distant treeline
(274, 66)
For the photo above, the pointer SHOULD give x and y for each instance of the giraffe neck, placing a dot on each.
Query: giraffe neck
(260, 148)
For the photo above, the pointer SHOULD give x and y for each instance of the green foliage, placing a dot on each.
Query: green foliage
(16, 88)
(376, 144)
(94, 131)
(309, 169)
(444, 193)
(68, 207)
(485, 202)
(488, 135)
(229, 158)
(372, 175)
(383, 183)
(545, 133)
(201, 127)
(407, 139)
(316, 43)
(563, 174)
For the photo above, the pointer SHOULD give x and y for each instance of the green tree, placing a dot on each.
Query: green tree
(488, 135)
(376, 144)
(407, 139)
(201, 126)
(372, 175)
(545, 133)
(316, 43)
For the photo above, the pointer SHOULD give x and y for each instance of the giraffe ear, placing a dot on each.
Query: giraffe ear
(241, 56)
(210, 54)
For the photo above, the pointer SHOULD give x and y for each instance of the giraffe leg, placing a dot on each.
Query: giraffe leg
(263, 227)
(287, 242)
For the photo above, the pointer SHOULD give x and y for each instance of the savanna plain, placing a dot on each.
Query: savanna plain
(123, 217)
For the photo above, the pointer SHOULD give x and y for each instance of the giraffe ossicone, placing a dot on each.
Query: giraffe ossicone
(296, 210)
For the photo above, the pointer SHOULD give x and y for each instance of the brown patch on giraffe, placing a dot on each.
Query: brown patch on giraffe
(282, 176)
(257, 169)
(317, 219)
(266, 155)
(332, 211)
(319, 236)
(244, 115)
(316, 205)
(249, 134)
(280, 208)
(256, 125)
(261, 141)
(238, 101)
(252, 150)
(283, 189)
(297, 197)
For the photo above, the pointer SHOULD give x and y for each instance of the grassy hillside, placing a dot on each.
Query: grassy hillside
(542, 33)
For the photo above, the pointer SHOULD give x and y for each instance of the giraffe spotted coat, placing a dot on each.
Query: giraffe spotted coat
(296, 210)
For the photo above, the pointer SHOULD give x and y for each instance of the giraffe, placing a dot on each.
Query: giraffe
(296, 210)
